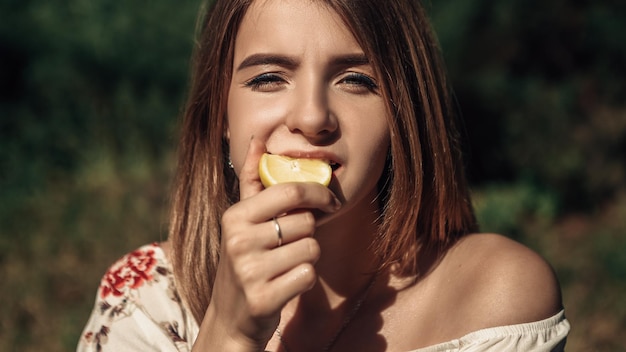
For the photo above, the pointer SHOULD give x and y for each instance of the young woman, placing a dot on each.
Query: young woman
(386, 258)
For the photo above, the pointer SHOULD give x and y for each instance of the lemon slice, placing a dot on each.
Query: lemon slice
(275, 169)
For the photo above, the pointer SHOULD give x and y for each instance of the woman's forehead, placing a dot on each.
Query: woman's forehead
(294, 27)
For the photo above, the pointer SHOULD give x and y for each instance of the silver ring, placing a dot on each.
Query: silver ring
(279, 233)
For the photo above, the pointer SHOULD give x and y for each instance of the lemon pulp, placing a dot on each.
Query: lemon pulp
(275, 169)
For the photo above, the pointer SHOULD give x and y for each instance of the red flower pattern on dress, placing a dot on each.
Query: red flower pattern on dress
(131, 286)
(130, 272)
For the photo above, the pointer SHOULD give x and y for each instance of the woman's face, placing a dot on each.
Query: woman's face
(303, 86)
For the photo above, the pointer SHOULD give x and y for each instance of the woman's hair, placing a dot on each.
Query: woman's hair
(425, 203)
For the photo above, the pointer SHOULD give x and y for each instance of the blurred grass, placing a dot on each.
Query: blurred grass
(61, 239)
(90, 91)
(89, 94)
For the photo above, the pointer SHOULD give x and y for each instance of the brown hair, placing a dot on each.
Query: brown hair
(425, 198)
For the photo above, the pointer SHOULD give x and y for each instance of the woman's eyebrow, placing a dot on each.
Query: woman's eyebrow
(268, 59)
(350, 60)
(290, 62)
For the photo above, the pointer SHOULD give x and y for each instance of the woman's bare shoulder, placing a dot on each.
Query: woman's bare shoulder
(501, 281)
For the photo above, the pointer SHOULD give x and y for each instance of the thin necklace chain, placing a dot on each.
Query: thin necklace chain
(343, 326)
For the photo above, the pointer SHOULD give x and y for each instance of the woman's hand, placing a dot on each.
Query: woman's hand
(255, 276)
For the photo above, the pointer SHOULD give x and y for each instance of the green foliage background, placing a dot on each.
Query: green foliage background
(90, 92)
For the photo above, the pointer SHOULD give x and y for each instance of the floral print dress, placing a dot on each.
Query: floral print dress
(138, 309)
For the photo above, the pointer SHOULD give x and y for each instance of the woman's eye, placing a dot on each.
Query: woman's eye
(359, 83)
(265, 82)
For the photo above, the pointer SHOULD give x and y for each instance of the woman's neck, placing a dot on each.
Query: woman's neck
(347, 260)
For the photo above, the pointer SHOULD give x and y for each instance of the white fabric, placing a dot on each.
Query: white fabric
(547, 335)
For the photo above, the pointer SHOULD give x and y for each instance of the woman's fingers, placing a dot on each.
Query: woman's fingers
(246, 240)
(275, 277)
(289, 228)
(269, 275)
(270, 298)
(288, 197)
(284, 259)
(265, 268)
(296, 281)
(249, 181)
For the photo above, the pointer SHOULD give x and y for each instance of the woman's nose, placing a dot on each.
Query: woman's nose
(311, 115)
